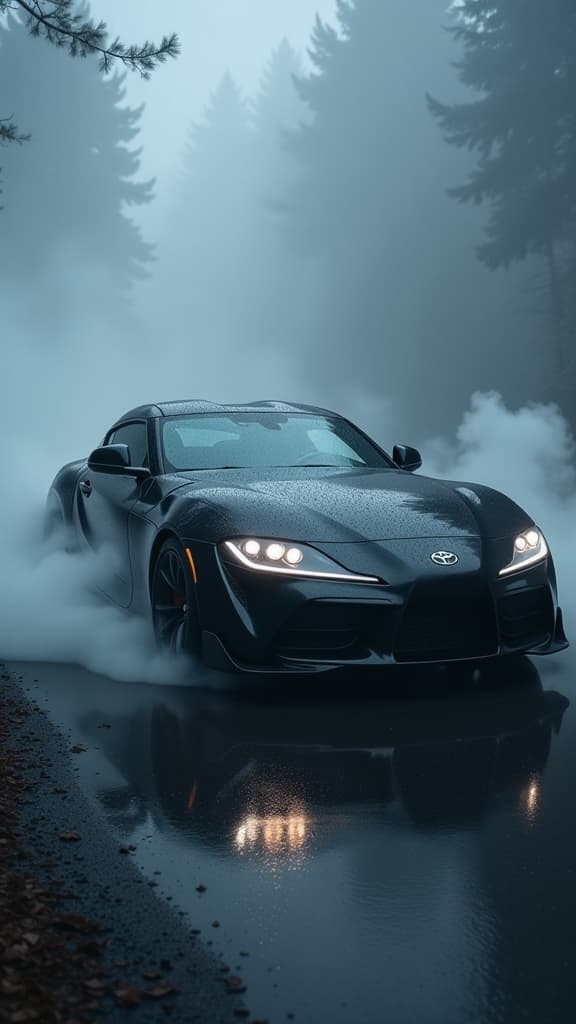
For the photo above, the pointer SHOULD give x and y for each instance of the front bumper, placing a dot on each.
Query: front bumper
(423, 616)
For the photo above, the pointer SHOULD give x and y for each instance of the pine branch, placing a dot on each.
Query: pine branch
(9, 131)
(58, 23)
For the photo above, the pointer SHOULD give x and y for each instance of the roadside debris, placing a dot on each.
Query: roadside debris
(63, 967)
(49, 973)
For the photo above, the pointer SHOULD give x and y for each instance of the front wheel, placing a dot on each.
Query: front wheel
(174, 608)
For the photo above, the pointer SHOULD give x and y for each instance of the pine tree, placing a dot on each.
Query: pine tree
(519, 59)
(67, 25)
(67, 241)
(278, 107)
(218, 142)
(399, 299)
(204, 254)
(277, 111)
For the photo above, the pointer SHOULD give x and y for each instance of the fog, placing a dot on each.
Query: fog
(221, 232)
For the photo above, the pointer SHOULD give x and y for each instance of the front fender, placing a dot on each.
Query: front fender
(62, 491)
(496, 514)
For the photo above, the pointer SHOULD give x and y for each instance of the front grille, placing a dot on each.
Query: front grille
(447, 623)
(526, 616)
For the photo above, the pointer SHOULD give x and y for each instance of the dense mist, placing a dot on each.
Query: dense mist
(267, 217)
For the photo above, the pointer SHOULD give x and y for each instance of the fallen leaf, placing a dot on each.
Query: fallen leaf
(95, 985)
(10, 988)
(19, 951)
(159, 991)
(127, 996)
(234, 984)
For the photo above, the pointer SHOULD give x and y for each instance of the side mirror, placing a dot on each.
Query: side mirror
(115, 458)
(407, 458)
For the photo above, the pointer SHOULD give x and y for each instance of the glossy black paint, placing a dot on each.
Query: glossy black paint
(383, 523)
(407, 457)
(115, 458)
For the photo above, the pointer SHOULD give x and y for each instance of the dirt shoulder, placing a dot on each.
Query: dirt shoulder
(83, 937)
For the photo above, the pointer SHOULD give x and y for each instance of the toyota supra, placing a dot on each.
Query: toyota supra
(272, 537)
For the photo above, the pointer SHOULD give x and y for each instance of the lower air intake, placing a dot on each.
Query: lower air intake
(526, 616)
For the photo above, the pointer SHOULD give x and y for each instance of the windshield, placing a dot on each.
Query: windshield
(252, 440)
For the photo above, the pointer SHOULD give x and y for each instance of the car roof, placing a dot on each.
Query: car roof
(190, 407)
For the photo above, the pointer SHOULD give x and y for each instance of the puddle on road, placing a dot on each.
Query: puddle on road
(364, 858)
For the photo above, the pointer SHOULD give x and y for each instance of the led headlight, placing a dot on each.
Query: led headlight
(285, 558)
(275, 552)
(529, 549)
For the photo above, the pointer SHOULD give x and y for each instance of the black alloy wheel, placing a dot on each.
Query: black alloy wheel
(174, 609)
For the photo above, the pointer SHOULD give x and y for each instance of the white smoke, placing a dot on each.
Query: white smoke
(82, 382)
(530, 455)
(50, 608)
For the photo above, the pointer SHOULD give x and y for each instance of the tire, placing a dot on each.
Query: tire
(173, 600)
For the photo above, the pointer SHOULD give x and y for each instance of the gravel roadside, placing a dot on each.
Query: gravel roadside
(83, 937)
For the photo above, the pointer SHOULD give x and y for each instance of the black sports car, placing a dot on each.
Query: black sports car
(272, 537)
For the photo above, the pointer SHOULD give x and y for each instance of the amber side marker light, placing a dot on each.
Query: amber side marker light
(192, 566)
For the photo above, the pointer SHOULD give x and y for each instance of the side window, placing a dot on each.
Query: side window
(135, 435)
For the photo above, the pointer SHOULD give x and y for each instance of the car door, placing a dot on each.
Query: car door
(105, 501)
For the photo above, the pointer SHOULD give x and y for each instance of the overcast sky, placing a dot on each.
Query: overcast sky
(216, 35)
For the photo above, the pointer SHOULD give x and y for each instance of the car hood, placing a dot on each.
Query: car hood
(339, 505)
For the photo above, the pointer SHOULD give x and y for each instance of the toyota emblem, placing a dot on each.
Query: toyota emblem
(444, 558)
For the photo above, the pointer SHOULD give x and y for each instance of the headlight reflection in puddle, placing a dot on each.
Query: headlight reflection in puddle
(531, 797)
(275, 834)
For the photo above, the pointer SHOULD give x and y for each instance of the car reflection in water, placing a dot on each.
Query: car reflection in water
(275, 775)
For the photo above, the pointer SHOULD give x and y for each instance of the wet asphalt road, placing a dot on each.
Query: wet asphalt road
(374, 851)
